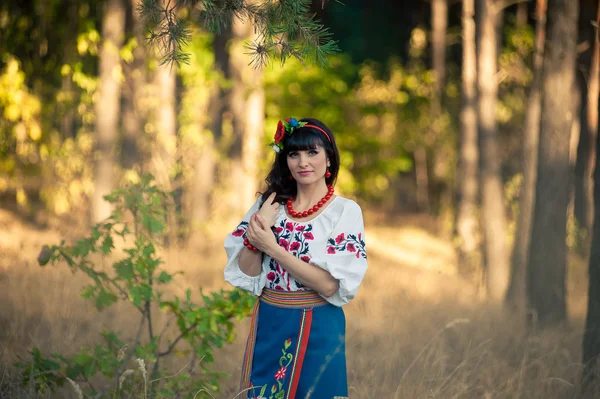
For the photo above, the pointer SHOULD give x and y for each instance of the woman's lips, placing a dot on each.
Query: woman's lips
(304, 173)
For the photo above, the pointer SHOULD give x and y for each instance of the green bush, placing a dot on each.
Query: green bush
(139, 218)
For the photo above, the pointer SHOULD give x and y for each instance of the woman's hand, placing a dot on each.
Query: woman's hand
(269, 210)
(260, 235)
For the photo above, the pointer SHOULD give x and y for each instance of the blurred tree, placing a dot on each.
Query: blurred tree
(516, 294)
(493, 215)
(439, 23)
(522, 13)
(136, 80)
(588, 85)
(107, 105)
(468, 152)
(591, 335)
(246, 105)
(548, 252)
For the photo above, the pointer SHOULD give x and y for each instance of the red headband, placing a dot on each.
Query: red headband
(318, 128)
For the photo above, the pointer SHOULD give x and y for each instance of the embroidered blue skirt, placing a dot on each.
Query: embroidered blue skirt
(296, 348)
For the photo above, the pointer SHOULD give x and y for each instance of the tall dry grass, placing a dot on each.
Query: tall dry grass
(414, 331)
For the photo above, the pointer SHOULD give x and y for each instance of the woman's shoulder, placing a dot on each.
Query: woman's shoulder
(345, 206)
(347, 203)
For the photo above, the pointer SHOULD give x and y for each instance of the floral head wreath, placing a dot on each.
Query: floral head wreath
(287, 127)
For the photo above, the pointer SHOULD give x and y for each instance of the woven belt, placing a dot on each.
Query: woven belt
(292, 299)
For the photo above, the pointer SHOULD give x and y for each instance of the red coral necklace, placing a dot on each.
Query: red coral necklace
(313, 209)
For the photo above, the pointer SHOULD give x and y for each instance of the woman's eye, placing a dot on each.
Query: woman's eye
(292, 154)
(313, 152)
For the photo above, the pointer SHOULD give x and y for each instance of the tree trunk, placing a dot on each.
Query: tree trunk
(254, 130)
(244, 144)
(494, 219)
(166, 122)
(587, 79)
(548, 253)
(165, 79)
(591, 335)
(468, 158)
(522, 14)
(135, 80)
(516, 296)
(439, 23)
(107, 106)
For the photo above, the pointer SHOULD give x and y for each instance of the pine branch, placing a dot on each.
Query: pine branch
(284, 28)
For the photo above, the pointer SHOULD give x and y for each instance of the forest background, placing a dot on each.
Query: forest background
(467, 131)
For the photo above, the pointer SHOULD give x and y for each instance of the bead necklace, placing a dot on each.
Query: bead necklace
(313, 209)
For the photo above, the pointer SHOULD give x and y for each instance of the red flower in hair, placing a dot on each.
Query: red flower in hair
(279, 133)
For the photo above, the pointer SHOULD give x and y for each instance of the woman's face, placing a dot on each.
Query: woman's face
(308, 166)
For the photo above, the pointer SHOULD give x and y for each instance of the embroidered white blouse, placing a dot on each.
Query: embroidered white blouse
(334, 240)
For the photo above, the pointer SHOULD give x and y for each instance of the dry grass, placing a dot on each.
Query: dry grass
(414, 331)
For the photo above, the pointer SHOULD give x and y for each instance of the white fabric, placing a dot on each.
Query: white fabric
(334, 241)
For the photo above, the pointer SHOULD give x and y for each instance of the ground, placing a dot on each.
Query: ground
(415, 330)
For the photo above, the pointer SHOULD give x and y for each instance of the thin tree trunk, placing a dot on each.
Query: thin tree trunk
(439, 22)
(516, 295)
(135, 80)
(422, 178)
(522, 14)
(494, 219)
(591, 336)
(254, 126)
(107, 106)
(165, 79)
(548, 253)
(468, 160)
(587, 79)
(237, 179)
(248, 110)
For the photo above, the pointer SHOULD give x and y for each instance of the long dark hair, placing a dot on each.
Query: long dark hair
(302, 139)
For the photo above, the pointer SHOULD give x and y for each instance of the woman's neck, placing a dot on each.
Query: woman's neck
(309, 195)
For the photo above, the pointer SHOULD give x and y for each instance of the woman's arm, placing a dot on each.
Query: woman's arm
(309, 275)
(250, 262)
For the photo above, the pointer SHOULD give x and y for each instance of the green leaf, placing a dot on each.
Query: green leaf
(83, 359)
(107, 244)
(105, 299)
(124, 269)
(164, 277)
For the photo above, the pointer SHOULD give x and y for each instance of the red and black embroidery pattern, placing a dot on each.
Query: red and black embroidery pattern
(294, 237)
(347, 243)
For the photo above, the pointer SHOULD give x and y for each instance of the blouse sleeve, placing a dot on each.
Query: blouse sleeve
(234, 244)
(345, 256)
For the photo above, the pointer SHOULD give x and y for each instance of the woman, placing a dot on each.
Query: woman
(304, 260)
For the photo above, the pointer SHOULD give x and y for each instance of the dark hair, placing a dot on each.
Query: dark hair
(302, 139)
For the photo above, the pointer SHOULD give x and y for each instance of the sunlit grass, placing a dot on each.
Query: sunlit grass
(416, 330)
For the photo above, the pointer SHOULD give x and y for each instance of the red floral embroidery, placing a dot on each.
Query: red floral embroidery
(284, 243)
(347, 242)
(271, 276)
(289, 226)
(300, 227)
(309, 236)
(240, 230)
(295, 246)
(305, 258)
(238, 233)
(280, 374)
(279, 288)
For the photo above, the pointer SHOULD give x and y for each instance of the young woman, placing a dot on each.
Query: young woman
(304, 260)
